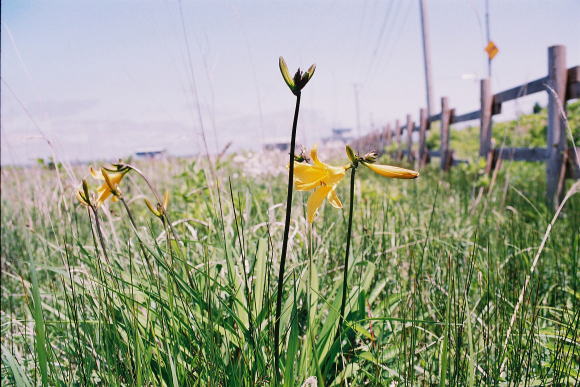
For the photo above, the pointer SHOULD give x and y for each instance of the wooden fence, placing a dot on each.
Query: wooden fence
(561, 84)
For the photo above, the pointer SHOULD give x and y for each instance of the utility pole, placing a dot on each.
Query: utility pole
(488, 36)
(426, 55)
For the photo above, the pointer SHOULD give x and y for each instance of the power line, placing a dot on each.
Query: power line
(380, 37)
(388, 47)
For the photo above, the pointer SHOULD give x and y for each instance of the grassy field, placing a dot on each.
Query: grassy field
(437, 267)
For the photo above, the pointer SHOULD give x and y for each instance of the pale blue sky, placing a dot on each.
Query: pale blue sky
(103, 79)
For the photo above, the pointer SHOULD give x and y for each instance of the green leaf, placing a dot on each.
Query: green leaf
(19, 375)
(368, 356)
(362, 331)
(292, 349)
(39, 327)
(260, 275)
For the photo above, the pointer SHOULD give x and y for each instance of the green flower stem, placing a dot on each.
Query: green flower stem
(347, 253)
(285, 243)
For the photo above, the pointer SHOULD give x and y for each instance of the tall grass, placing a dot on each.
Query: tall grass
(436, 273)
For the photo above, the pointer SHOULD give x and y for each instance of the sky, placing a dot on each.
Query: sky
(85, 80)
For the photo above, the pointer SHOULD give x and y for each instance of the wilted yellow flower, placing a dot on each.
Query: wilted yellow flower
(393, 172)
(320, 177)
(111, 182)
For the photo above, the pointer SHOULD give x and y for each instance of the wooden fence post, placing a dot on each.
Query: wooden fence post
(423, 122)
(556, 137)
(410, 127)
(445, 121)
(486, 100)
(398, 138)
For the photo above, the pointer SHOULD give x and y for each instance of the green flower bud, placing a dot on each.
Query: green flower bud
(154, 211)
(86, 190)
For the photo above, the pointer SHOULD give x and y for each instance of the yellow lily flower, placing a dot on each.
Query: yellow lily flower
(320, 177)
(112, 180)
(392, 172)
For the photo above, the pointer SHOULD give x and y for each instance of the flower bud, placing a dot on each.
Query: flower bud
(302, 157)
(370, 157)
(85, 189)
(83, 194)
(165, 201)
(300, 79)
(297, 77)
(153, 210)
(392, 171)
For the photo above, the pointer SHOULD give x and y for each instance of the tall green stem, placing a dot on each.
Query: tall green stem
(285, 242)
(347, 253)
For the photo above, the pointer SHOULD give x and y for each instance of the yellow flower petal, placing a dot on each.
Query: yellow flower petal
(393, 172)
(96, 174)
(307, 173)
(335, 174)
(320, 177)
(314, 157)
(315, 201)
(310, 71)
(308, 186)
(81, 198)
(104, 192)
(166, 200)
(113, 177)
(112, 180)
(333, 198)
(319, 172)
(151, 208)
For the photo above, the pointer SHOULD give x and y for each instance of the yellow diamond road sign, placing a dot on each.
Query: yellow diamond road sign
(491, 49)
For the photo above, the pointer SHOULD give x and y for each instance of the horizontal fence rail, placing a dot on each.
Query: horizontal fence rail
(561, 84)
